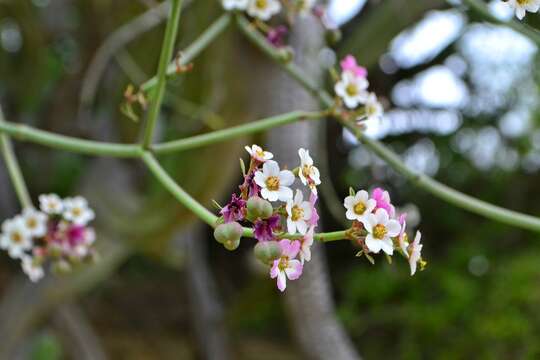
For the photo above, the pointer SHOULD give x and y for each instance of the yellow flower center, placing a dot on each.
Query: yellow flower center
(272, 183)
(359, 208)
(306, 171)
(379, 231)
(261, 4)
(351, 90)
(523, 2)
(297, 213)
(260, 153)
(31, 223)
(76, 211)
(283, 263)
(16, 237)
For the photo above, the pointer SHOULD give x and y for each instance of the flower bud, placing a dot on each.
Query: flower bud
(333, 36)
(61, 267)
(267, 251)
(232, 244)
(258, 208)
(286, 54)
(228, 233)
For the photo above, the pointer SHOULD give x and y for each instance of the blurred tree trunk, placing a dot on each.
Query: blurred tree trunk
(309, 301)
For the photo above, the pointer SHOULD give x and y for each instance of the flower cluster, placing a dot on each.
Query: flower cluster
(352, 91)
(520, 7)
(283, 221)
(58, 233)
(376, 227)
(264, 10)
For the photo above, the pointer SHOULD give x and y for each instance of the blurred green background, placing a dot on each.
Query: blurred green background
(461, 100)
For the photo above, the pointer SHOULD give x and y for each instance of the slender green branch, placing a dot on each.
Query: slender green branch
(201, 43)
(424, 182)
(481, 9)
(180, 194)
(164, 60)
(14, 169)
(233, 132)
(68, 143)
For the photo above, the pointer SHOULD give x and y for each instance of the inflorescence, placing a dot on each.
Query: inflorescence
(58, 234)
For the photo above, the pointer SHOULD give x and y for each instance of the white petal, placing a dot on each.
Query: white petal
(286, 178)
(393, 228)
(298, 197)
(291, 226)
(381, 216)
(284, 194)
(373, 244)
(387, 246)
(361, 196)
(349, 202)
(271, 168)
(260, 179)
(301, 226)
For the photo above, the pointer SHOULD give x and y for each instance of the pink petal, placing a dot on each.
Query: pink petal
(281, 281)
(294, 270)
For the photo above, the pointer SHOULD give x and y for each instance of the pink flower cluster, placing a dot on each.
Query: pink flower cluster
(58, 234)
(376, 228)
(282, 222)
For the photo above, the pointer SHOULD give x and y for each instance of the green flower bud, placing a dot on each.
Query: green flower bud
(267, 251)
(333, 36)
(230, 232)
(286, 54)
(258, 208)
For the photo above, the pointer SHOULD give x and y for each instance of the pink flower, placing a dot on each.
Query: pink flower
(349, 64)
(307, 242)
(382, 198)
(314, 219)
(276, 36)
(287, 267)
(235, 210)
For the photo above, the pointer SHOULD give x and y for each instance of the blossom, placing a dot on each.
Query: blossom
(235, 4)
(306, 243)
(359, 206)
(51, 204)
(16, 237)
(299, 213)
(522, 6)
(32, 268)
(382, 197)
(274, 183)
(235, 210)
(287, 267)
(414, 252)
(77, 211)
(402, 237)
(373, 108)
(276, 36)
(258, 153)
(314, 220)
(309, 174)
(263, 230)
(263, 9)
(352, 89)
(35, 221)
(349, 64)
(381, 229)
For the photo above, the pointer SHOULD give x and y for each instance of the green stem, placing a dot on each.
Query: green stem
(180, 194)
(422, 181)
(14, 169)
(201, 43)
(481, 9)
(164, 59)
(68, 143)
(233, 132)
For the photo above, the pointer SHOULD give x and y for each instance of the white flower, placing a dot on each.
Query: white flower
(35, 221)
(32, 268)
(352, 89)
(274, 183)
(522, 6)
(359, 206)
(51, 204)
(287, 266)
(258, 153)
(235, 4)
(309, 174)
(15, 238)
(263, 9)
(77, 211)
(305, 6)
(373, 108)
(414, 250)
(299, 213)
(381, 230)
